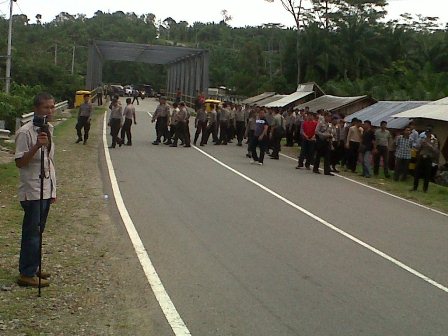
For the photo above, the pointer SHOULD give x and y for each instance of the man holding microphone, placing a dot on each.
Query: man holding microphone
(34, 142)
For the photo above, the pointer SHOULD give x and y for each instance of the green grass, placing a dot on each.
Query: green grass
(436, 197)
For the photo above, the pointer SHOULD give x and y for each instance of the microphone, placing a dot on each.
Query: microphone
(42, 123)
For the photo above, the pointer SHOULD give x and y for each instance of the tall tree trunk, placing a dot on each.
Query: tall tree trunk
(298, 57)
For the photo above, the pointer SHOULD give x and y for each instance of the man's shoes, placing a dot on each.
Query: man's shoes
(248, 155)
(85, 141)
(307, 167)
(259, 163)
(43, 275)
(239, 144)
(334, 170)
(79, 140)
(275, 157)
(329, 174)
(26, 281)
(299, 166)
(111, 147)
(316, 172)
(253, 161)
(129, 143)
(156, 142)
(173, 145)
(187, 146)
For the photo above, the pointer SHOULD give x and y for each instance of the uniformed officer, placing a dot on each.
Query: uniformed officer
(211, 126)
(223, 125)
(84, 117)
(161, 117)
(201, 125)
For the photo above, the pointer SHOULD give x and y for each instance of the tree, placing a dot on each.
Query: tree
(295, 8)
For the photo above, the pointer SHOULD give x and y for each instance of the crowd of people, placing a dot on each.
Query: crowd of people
(322, 136)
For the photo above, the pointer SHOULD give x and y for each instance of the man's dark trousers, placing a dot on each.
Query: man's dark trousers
(322, 150)
(307, 152)
(162, 128)
(83, 122)
(382, 152)
(126, 130)
(423, 169)
(29, 251)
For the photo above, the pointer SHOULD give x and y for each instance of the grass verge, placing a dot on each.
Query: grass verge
(436, 197)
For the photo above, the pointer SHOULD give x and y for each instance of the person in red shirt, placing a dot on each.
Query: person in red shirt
(308, 132)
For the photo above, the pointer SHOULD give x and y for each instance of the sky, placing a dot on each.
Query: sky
(243, 12)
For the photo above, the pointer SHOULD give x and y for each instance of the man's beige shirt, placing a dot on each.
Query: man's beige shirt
(29, 186)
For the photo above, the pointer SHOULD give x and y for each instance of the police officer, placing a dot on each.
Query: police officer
(161, 117)
(240, 124)
(223, 125)
(211, 127)
(84, 117)
(201, 125)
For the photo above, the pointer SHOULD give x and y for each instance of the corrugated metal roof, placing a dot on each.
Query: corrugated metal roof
(291, 98)
(268, 100)
(385, 110)
(145, 53)
(310, 86)
(329, 103)
(252, 100)
(437, 110)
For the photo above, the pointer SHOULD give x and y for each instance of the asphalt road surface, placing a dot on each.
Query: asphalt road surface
(273, 250)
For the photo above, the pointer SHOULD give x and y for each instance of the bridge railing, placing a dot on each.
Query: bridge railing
(59, 107)
(189, 100)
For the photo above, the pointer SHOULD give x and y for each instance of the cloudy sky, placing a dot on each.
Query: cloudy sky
(243, 12)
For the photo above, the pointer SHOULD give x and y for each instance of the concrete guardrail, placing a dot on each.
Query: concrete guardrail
(4, 134)
(59, 107)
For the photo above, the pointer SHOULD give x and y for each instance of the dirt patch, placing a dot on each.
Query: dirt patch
(97, 285)
(6, 155)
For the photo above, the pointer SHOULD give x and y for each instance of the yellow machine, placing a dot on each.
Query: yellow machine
(79, 98)
(209, 102)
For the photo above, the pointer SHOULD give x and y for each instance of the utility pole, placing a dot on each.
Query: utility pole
(56, 54)
(8, 54)
(73, 60)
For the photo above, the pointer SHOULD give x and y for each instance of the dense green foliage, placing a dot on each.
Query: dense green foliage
(19, 102)
(348, 49)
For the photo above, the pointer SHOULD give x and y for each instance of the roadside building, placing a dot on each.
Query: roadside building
(434, 114)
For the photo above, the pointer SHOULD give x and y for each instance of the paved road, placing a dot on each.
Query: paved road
(236, 259)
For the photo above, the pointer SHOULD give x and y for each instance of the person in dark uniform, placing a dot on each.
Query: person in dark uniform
(99, 94)
(428, 150)
(115, 120)
(181, 126)
(240, 124)
(260, 138)
(211, 126)
(84, 117)
(129, 115)
(201, 125)
(223, 124)
(135, 95)
(324, 139)
(161, 116)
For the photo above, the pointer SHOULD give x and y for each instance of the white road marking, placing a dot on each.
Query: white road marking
(327, 224)
(381, 191)
(177, 324)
